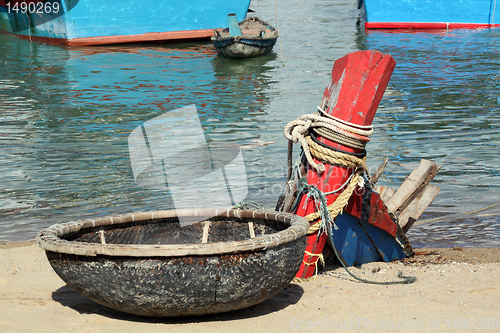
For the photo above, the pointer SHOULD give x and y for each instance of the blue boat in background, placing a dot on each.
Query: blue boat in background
(93, 22)
(429, 14)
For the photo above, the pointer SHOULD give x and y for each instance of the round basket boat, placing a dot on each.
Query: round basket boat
(149, 264)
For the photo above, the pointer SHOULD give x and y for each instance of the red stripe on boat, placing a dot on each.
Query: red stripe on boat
(427, 25)
(149, 37)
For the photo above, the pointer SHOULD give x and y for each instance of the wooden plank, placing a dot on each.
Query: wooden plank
(234, 27)
(417, 206)
(206, 228)
(385, 192)
(357, 86)
(376, 175)
(291, 192)
(101, 236)
(251, 229)
(413, 184)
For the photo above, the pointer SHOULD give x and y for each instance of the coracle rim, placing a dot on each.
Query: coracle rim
(50, 238)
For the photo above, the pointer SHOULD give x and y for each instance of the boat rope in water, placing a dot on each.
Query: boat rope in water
(283, 57)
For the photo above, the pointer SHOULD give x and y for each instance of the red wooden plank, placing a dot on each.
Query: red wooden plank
(357, 85)
(378, 216)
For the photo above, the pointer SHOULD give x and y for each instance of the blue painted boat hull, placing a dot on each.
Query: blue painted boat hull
(430, 14)
(92, 22)
(359, 243)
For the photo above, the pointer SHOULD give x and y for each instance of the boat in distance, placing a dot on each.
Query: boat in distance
(93, 22)
(249, 38)
(429, 14)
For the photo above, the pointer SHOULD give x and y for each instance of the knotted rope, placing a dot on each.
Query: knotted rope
(333, 210)
(347, 134)
(334, 157)
(297, 130)
(320, 258)
(322, 212)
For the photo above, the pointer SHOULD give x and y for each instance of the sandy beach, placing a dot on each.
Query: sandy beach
(456, 291)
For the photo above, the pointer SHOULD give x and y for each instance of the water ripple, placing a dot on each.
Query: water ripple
(65, 116)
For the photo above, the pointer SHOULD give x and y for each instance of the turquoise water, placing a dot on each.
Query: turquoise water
(65, 116)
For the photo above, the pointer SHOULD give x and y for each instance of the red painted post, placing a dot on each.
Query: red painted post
(357, 85)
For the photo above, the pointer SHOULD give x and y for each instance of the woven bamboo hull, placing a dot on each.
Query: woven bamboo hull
(180, 277)
(191, 285)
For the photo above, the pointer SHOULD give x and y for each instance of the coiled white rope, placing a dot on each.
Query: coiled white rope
(297, 129)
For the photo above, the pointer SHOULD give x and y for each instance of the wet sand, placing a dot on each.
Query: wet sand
(456, 290)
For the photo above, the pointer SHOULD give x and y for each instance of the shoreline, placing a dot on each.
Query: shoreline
(430, 255)
(448, 288)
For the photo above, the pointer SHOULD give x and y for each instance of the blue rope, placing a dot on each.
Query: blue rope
(248, 205)
(322, 206)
